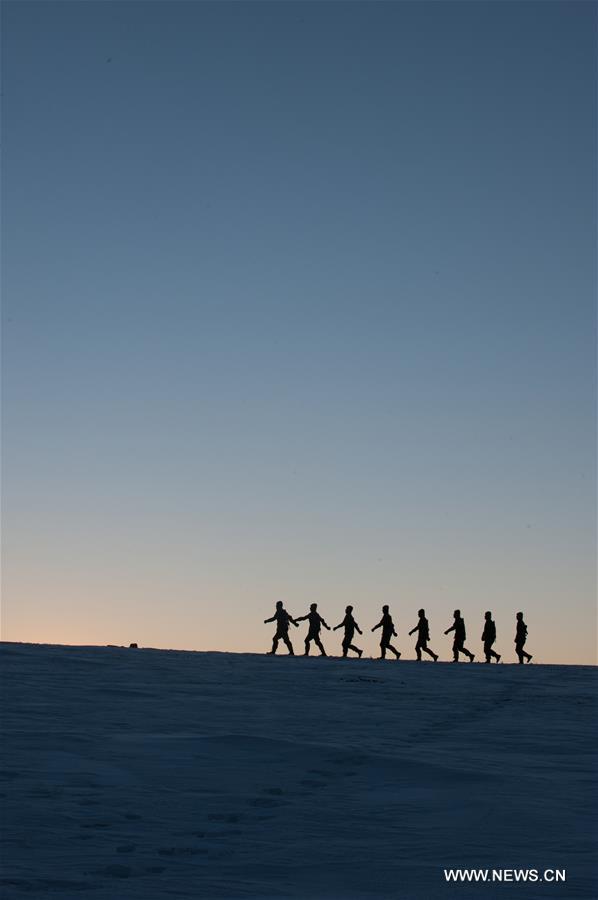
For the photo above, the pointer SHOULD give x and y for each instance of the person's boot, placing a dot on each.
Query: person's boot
(435, 657)
(360, 653)
(498, 658)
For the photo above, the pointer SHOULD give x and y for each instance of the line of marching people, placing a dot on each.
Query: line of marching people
(316, 623)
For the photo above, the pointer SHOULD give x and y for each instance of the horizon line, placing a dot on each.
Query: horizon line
(279, 656)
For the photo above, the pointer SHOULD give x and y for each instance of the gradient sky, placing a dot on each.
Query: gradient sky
(298, 303)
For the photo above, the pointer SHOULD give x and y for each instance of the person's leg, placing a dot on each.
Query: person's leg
(346, 648)
(289, 645)
(456, 652)
(320, 645)
(394, 650)
(307, 640)
(431, 653)
(418, 650)
(274, 645)
(487, 650)
(355, 649)
(523, 652)
(468, 654)
(519, 652)
(382, 651)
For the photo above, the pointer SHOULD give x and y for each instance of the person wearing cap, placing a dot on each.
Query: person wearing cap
(423, 636)
(388, 631)
(488, 637)
(315, 624)
(521, 638)
(282, 619)
(458, 627)
(350, 626)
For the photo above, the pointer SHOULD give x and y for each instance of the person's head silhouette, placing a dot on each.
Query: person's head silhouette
(519, 616)
(349, 609)
(457, 614)
(421, 612)
(488, 615)
(385, 609)
(279, 604)
(313, 607)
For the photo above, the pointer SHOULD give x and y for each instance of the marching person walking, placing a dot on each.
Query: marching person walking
(388, 631)
(350, 626)
(315, 623)
(521, 638)
(423, 636)
(488, 637)
(283, 620)
(458, 627)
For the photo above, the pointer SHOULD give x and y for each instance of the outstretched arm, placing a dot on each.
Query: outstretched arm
(338, 626)
(300, 619)
(413, 629)
(379, 625)
(325, 625)
(452, 628)
(269, 620)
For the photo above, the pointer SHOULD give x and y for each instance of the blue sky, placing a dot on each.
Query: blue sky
(298, 303)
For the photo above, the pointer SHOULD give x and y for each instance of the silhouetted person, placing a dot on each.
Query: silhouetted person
(350, 626)
(489, 636)
(282, 619)
(388, 631)
(458, 627)
(423, 636)
(315, 623)
(520, 639)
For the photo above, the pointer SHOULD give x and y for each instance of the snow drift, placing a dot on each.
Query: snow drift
(153, 774)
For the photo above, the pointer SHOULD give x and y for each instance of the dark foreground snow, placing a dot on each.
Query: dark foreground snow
(157, 774)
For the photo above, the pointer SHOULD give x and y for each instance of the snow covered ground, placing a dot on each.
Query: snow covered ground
(156, 774)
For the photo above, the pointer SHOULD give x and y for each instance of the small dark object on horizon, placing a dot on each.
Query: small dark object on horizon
(133, 647)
